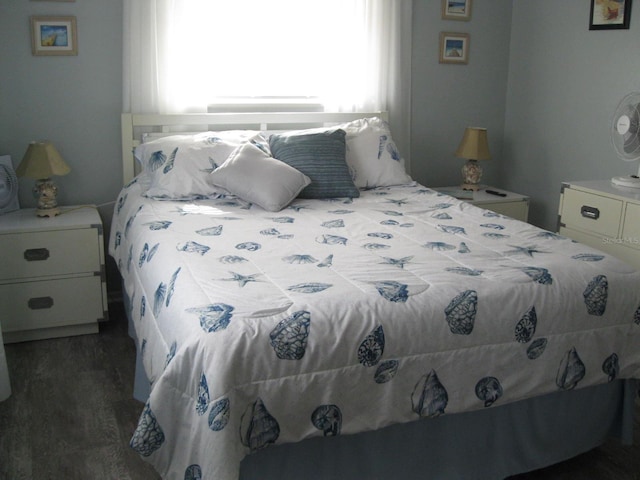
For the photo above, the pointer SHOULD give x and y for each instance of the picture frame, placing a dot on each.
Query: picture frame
(610, 15)
(456, 10)
(54, 35)
(454, 48)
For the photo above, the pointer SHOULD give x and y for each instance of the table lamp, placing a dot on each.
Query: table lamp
(474, 146)
(41, 161)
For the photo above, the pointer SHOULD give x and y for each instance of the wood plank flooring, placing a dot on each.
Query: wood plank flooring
(71, 415)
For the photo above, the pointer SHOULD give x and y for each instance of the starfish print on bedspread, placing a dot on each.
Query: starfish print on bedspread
(530, 250)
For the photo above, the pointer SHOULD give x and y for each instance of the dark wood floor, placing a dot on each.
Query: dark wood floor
(71, 416)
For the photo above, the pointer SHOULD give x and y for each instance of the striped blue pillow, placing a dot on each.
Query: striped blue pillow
(321, 157)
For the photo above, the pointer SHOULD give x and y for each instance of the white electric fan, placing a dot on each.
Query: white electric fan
(8, 186)
(625, 136)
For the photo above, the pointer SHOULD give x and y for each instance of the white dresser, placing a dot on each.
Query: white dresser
(603, 216)
(52, 279)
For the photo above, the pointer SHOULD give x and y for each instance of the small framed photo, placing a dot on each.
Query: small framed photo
(54, 36)
(456, 10)
(454, 48)
(610, 15)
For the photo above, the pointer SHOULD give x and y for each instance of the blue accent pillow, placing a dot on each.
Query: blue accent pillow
(321, 157)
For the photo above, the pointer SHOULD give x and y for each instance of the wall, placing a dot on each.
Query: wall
(565, 82)
(73, 101)
(447, 98)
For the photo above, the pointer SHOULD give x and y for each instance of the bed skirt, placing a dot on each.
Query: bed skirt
(497, 442)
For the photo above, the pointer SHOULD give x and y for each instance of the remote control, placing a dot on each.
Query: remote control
(493, 192)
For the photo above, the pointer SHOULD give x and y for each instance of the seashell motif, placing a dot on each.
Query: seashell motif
(384, 235)
(489, 390)
(159, 225)
(130, 258)
(148, 436)
(118, 239)
(270, 232)
(121, 201)
(539, 275)
(212, 140)
(158, 299)
(152, 252)
(526, 327)
(463, 248)
(397, 262)
(249, 246)
(442, 206)
(213, 317)
(442, 216)
(375, 246)
(471, 272)
(232, 259)
(327, 262)
(381, 144)
(193, 472)
(327, 418)
(169, 165)
(494, 226)
(299, 259)
(392, 213)
(289, 337)
(595, 295)
(211, 231)
(389, 222)
(127, 227)
(143, 306)
(386, 371)
(212, 166)
(490, 214)
(495, 236)
(406, 225)
(143, 255)
(461, 312)
(429, 397)
(156, 160)
(202, 402)
(571, 370)
(283, 219)
(192, 247)
(452, 229)
(340, 212)
(219, 414)
(393, 291)
(372, 347)
(549, 236)
(393, 152)
(611, 367)
(309, 287)
(172, 353)
(636, 317)
(588, 257)
(439, 246)
(536, 348)
(331, 240)
(285, 237)
(258, 428)
(172, 285)
(333, 224)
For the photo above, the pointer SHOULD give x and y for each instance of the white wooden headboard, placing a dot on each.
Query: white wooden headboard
(134, 125)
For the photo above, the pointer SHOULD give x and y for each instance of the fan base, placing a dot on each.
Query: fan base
(632, 181)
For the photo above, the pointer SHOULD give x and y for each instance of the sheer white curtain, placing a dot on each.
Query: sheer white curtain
(351, 55)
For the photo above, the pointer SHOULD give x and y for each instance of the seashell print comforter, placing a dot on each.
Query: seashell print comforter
(335, 317)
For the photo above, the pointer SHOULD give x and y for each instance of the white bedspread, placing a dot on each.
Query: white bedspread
(335, 317)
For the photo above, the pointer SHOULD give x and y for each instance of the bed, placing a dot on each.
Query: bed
(324, 316)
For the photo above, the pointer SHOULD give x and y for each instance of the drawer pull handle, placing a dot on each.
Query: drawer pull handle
(40, 303)
(590, 212)
(36, 254)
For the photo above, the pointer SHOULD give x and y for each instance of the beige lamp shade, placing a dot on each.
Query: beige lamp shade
(42, 160)
(474, 144)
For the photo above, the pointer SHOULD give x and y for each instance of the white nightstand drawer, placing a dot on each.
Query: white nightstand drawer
(38, 254)
(51, 303)
(590, 212)
(631, 229)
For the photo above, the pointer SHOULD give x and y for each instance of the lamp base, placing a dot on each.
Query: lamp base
(471, 175)
(48, 212)
(470, 186)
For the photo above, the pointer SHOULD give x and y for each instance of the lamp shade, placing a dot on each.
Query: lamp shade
(474, 144)
(42, 160)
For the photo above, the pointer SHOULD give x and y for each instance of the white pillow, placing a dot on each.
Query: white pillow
(372, 155)
(178, 167)
(257, 177)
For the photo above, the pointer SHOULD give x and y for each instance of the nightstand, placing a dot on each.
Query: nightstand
(52, 280)
(603, 216)
(511, 204)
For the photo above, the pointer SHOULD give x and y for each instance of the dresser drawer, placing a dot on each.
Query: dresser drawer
(51, 303)
(47, 253)
(631, 228)
(590, 212)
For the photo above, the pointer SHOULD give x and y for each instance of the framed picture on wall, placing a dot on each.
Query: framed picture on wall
(456, 10)
(454, 48)
(54, 36)
(610, 15)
